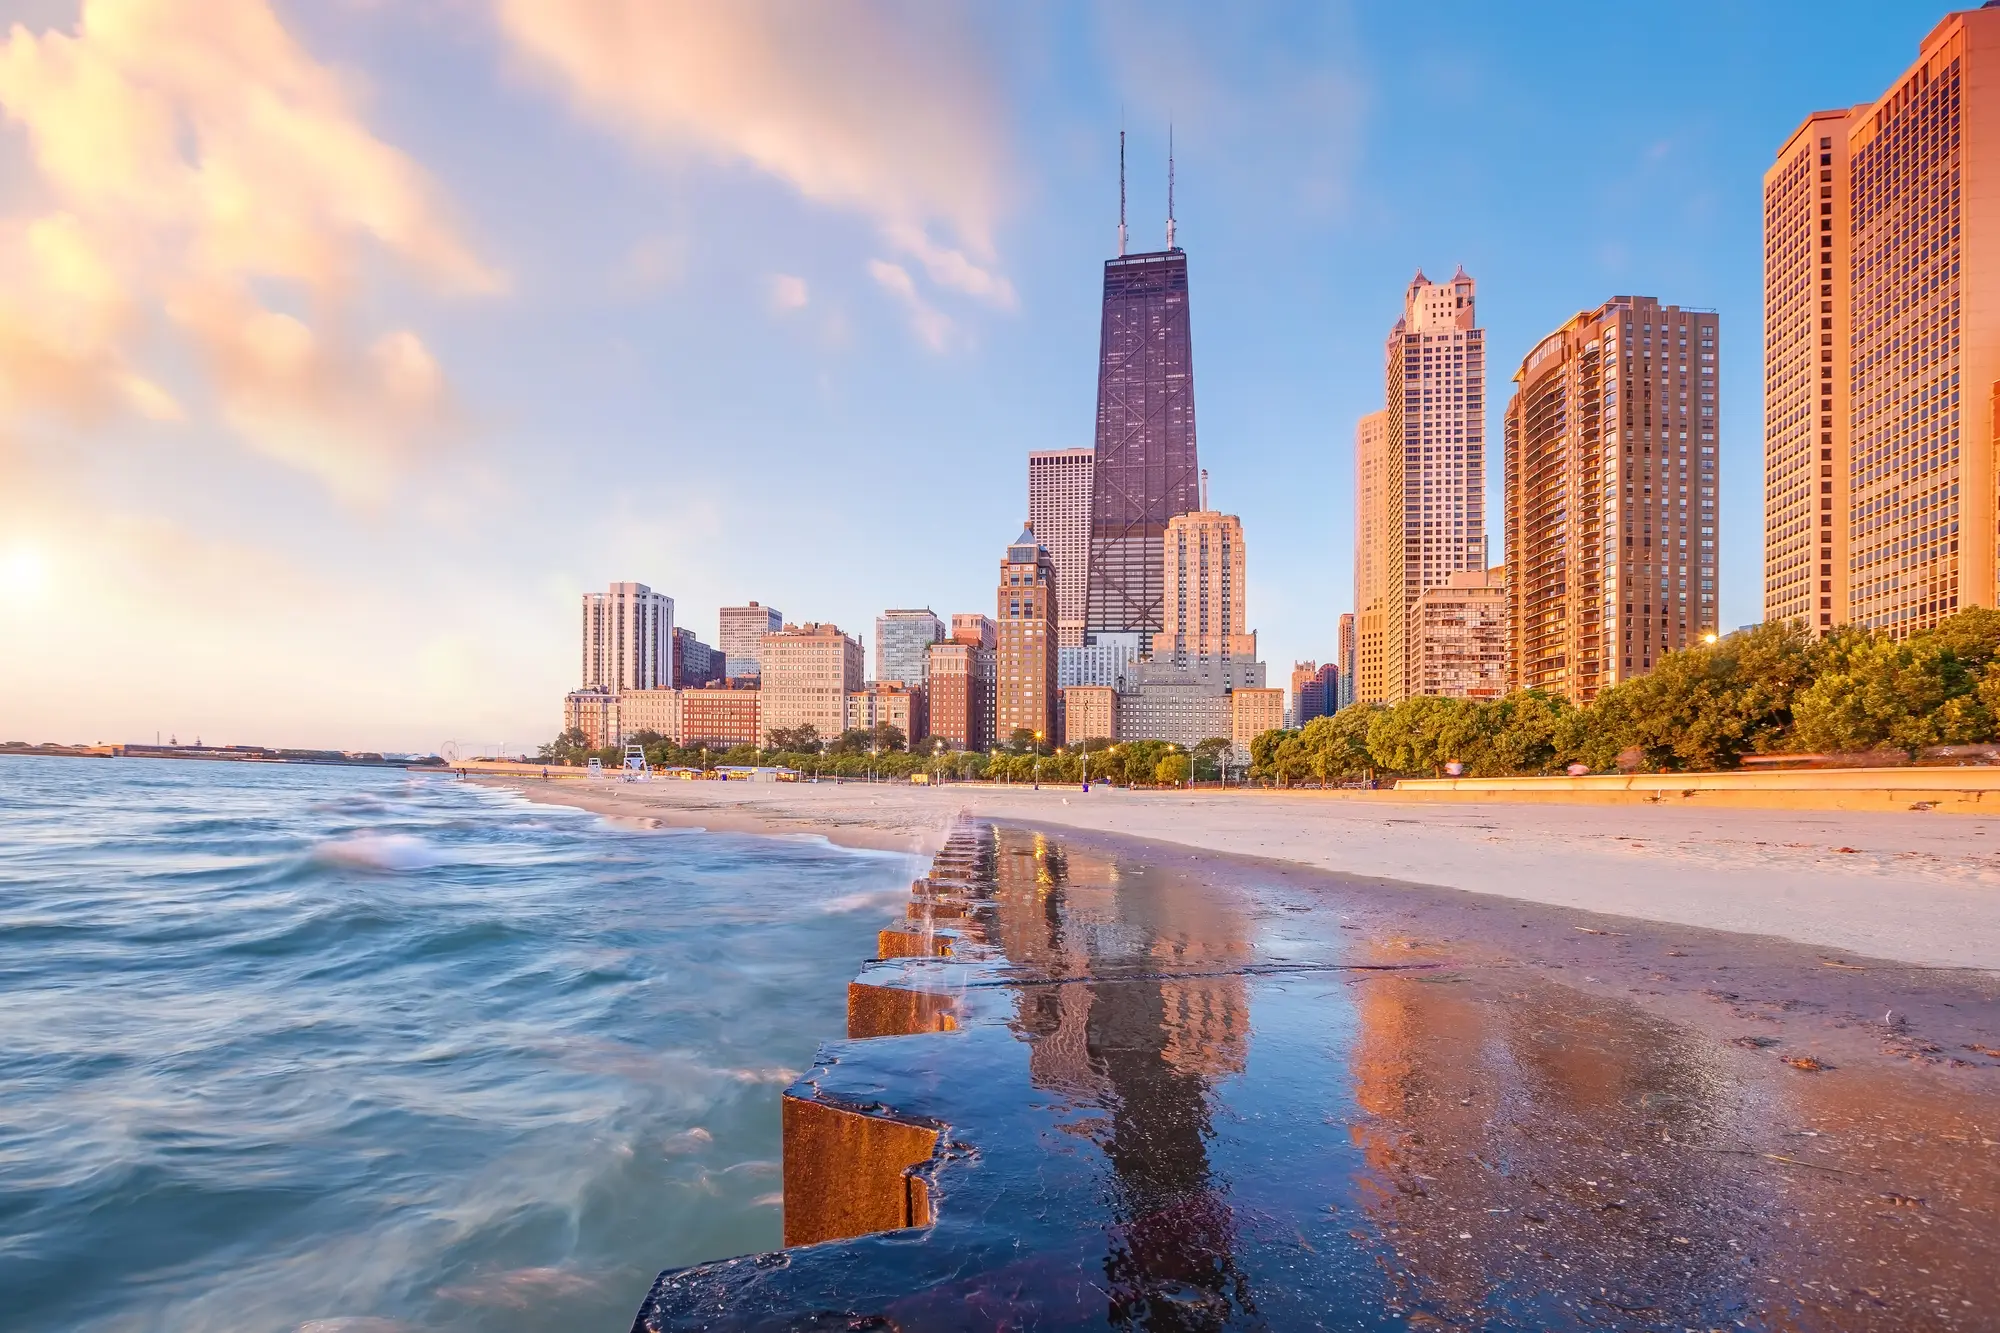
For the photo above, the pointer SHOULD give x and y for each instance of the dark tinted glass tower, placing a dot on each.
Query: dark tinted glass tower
(1145, 471)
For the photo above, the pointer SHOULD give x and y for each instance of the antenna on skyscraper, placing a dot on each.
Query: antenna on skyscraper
(1121, 191)
(1170, 185)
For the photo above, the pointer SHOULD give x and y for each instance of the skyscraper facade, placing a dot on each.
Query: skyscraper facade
(1026, 610)
(742, 636)
(972, 627)
(902, 640)
(1315, 691)
(1880, 433)
(1346, 650)
(628, 639)
(1373, 533)
(1059, 512)
(1203, 611)
(1435, 472)
(1806, 350)
(1145, 469)
(1611, 448)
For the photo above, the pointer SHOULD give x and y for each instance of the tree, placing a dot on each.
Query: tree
(1705, 707)
(802, 739)
(571, 748)
(1902, 694)
(1171, 771)
(1424, 733)
(1264, 752)
(1336, 747)
(1206, 759)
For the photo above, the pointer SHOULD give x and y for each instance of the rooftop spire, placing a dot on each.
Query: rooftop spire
(1121, 191)
(1170, 185)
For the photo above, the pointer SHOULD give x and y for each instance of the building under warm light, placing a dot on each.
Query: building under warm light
(1373, 531)
(1059, 512)
(1025, 693)
(1882, 314)
(808, 672)
(1090, 712)
(1459, 637)
(1204, 605)
(1611, 439)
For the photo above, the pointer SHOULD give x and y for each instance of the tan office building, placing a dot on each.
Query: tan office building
(1059, 511)
(1460, 630)
(1026, 611)
(657, 711)
(1611, 440)
(1090, 713)
(1252, 712)
(1204, 612)
(1882, 307)
(1372, 533)
(808, 672)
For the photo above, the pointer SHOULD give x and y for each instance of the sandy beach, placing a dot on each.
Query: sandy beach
(1914, 888)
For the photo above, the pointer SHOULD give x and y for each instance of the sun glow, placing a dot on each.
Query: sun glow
(23, 575)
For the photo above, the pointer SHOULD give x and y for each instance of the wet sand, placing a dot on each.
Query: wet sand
(1179, 1096)
(1915, 888)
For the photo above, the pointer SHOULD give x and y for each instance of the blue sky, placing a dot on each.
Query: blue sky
(316, 421)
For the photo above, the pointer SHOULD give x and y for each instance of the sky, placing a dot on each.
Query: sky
(345, 343)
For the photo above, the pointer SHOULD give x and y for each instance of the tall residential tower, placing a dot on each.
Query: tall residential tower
(1610, 484)
(628, 639)
(1882, 354)
(1025, 686)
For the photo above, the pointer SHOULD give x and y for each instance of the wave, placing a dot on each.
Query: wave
(392, 852)
(862, 901)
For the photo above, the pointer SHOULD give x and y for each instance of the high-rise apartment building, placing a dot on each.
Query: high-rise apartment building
(1459, 637)
(902, 640)
(742, 637)
(1346, 650)
(1026, 609)
(1434, 461)
(961, 699)
(1145, 470)
(808, 672)
(1611, 448)
(887, 704)
(1203, 611)
(1882, 313)
(1374, 530)
(628, 639)
(1059, 512)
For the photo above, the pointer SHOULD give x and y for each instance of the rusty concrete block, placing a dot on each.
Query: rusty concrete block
(891, 1011)
(847, 1172)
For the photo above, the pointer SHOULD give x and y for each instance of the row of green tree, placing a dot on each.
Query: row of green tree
(862, 754)
(1768, 690)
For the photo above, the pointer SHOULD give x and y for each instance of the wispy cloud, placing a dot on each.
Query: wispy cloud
(932, 327)
(885, 111)
(206, 173)
(788, 292)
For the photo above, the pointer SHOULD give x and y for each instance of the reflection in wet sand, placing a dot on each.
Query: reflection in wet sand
(1223, 1118)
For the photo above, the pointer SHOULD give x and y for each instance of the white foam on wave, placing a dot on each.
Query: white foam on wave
(862, 901)
(385, 851)
(776, 1075)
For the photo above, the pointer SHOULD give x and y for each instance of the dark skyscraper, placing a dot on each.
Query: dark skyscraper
(1145, 471)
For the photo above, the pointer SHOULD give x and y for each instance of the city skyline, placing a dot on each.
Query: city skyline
(371, 530)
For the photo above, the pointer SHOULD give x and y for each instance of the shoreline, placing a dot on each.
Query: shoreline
(1911, 888)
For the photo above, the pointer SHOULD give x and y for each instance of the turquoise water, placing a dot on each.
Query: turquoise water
(354, 1051)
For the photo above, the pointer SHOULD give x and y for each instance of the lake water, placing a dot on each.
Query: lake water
(353, 1051)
